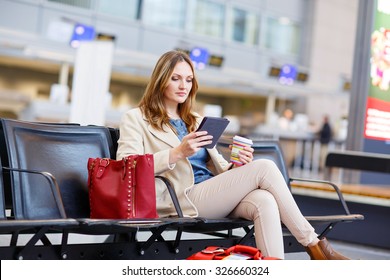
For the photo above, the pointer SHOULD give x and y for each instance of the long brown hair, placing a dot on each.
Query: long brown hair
(152, 105)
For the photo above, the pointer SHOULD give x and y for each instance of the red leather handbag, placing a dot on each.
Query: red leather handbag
(237, 252)
(122, 189)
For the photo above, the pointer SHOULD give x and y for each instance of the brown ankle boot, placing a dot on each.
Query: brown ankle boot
(323, 251)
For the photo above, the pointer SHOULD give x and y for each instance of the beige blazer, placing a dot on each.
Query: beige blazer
(137, 136)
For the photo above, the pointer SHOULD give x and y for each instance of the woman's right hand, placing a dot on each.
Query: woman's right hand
(190, 144)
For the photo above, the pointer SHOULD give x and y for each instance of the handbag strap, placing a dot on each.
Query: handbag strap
(103, 163)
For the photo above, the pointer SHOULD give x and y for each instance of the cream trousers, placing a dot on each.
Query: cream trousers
(256, 191)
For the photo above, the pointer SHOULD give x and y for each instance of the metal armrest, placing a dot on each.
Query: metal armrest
(335, 187)
(173, 195)
(53, 186)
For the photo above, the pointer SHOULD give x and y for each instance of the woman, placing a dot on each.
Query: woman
(164, 125)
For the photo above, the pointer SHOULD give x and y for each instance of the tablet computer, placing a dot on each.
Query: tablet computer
(214, 126)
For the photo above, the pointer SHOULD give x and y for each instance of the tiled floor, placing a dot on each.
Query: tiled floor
(353, 251)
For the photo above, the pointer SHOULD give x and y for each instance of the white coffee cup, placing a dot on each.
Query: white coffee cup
(238, 144)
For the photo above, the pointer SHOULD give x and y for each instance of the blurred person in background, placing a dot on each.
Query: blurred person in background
(286, 121)
(325, 135)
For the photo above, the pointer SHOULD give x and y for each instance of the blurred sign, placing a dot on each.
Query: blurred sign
(105, 37)
(377, 122)
(81, 32)
(286, 73)
(200, 57)
(216, 60)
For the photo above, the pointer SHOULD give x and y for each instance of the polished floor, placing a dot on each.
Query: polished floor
(353, 251)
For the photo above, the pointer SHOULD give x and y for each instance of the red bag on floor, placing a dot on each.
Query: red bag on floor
(237, 252)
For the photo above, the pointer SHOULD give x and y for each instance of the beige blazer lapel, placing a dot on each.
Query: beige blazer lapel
(167, 136)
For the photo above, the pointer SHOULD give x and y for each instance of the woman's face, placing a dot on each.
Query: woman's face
(179, 85)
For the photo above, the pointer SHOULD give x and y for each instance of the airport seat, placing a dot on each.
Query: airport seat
(36, 228)
(61, 152)
(272, 150)
(2, 199)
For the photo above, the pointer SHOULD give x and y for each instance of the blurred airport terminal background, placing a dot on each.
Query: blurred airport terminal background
(256, 60)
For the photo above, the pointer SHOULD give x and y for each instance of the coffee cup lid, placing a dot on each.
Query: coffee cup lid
(243, 140)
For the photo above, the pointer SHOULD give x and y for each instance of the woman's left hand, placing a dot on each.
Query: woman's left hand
(246, 155)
